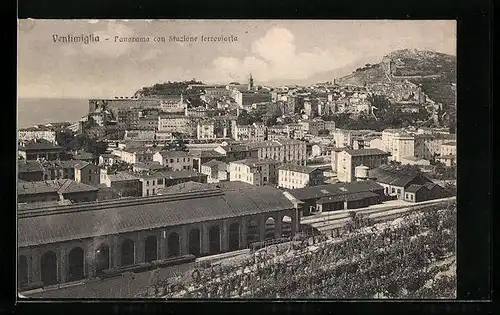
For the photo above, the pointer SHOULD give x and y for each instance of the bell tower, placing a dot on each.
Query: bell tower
(250, 83)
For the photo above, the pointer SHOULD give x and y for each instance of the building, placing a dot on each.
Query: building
(215, 170)
(81, 155)
(293, 176)
(284, 151)
(151, 183)
(447, 160)
(40, 149)
(403, 146)
(30, 171)
(339, 196)
(348, 159)
(148, 122)
(178, 177)
(247, 98)
(395, 180)
(173, 106)
(334, 158)
(235, 152)
(134, 155)
(139, 135)
(314, 126)
(176, 123)
(413, 160)
(68, 243)
(36, 133)
(123, 184)
(205, 130)
(108, 159)
(148, 167)
(399, 143)
(174, 160)
(427, 191)
(448, 148)
(55, 190)
(345, 138)
(428, 146)
(87, 173)
(126, 103)
(257, 172)
(128, 118)
(201, 157)
(254, 132)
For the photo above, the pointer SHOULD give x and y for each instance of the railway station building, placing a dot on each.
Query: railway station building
(66, 243)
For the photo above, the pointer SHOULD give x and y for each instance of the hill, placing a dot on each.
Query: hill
(435, 71)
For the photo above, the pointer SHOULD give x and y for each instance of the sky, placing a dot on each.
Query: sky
(272, 50)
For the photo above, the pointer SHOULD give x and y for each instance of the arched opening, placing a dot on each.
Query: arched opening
(22, 270)
(252, 232)
(214, 240)
(286, 226)
(270, 229)
(101, 258)
(234, 236)
(75, 264)
(48, 267)
(128, 252)
(194, 242)
(151, 249)
(173, 245)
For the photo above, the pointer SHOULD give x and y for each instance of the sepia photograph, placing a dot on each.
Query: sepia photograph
(236, 159)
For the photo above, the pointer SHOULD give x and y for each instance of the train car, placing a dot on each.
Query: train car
(163, 263)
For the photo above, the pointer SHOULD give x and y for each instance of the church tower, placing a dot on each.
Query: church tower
(250, 83)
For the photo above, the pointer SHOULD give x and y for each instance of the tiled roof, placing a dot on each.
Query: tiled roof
(255, 162)
(414, 188)
(174, 153)
(335, 189)
(60, 186)
(81, 165)
(126, 217)
(114, 156)
(450, 143)
(347, 197)
(205, 153)
(40, 144)
(393, 175)
(24, 166)
(214, 163)
(365, 152)
(121, 176)
(297, 168)
(150, 165)
(181, 174)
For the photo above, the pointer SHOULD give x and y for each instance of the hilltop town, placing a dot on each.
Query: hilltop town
(233, 153)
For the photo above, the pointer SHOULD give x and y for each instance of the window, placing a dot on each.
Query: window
(393, 190)
(153, 191)
(399, 191)
(147, 192)
(147, 183)
(171, 160)
(90, 178)
(411, 197)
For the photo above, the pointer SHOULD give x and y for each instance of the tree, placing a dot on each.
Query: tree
(64, 137)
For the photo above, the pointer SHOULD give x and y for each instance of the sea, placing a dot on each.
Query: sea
(34, 111)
